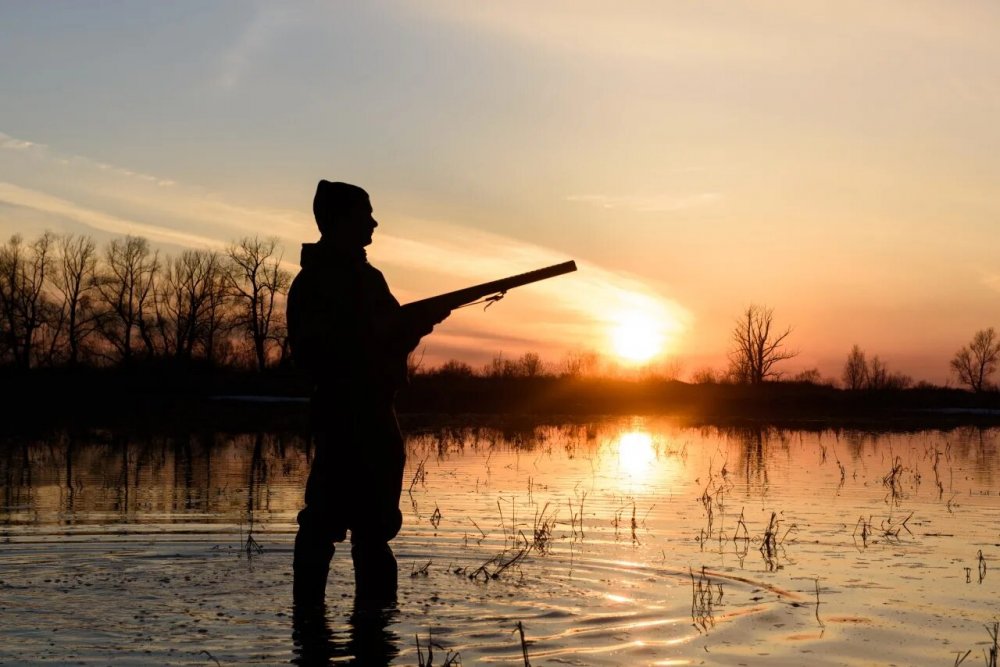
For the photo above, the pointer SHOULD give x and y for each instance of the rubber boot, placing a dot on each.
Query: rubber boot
(310, 568)
(375, 575)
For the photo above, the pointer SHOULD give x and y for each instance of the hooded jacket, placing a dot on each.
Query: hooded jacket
(347, 331)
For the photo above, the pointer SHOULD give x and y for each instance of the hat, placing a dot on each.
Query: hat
(333, 199)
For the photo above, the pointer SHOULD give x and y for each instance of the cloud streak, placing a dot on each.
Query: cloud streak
(261, 32)
(159, 204)
(581, 307)
(39, 202)
(649, 203)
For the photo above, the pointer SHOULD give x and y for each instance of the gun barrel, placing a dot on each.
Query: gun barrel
(469, 294)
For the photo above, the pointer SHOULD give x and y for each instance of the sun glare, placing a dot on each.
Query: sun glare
(636, 453)
(637, 337)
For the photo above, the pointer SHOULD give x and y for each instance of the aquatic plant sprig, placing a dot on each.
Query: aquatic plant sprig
(704, 599)
(889, 528)
(617, 521)
(771, 542)
(482, 533)
(713, 498)
(818, 619)
(893, 481)
(524, 644)
(249, 547)
(419, 475)
(451, 659)
(994, 650)
(542, 530)
(577, 517)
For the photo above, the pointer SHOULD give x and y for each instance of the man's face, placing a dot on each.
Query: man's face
(359, 224)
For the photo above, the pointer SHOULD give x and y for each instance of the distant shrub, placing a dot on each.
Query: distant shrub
(706, 375)
(455, 369)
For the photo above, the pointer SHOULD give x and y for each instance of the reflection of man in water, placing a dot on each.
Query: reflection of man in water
(350, 335)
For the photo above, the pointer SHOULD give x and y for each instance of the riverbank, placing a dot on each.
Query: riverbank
(189, 398)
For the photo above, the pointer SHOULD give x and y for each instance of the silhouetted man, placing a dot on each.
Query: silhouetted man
(352, 337)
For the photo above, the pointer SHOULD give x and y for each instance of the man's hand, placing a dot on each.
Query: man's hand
(421, 320)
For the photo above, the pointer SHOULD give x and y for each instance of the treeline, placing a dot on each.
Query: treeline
(528, 365)
(64, 301)
(759, 345)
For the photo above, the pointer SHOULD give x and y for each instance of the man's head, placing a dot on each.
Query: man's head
(344, 213)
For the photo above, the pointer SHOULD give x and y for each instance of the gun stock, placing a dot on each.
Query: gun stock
(465, 296)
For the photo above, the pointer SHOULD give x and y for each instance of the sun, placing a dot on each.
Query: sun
(637, 337)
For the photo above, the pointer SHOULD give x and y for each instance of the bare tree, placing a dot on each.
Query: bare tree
(871, 374)
(125, 287)
(976, 362)
(855, 369)
(190, 294)
(498, 367)
(530, 365)
(74, 278)
(877, 375)
(579, 363)
(899, 381)
(218, 314)
(24, 306)
(757, 347)
(258, 284)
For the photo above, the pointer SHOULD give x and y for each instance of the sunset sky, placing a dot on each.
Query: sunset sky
(838, 162)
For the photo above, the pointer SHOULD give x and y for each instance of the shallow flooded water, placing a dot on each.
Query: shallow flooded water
(612, 542)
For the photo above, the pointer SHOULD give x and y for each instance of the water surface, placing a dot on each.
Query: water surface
(625, 541)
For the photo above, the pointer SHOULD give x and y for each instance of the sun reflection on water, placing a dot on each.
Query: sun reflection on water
(636, 454)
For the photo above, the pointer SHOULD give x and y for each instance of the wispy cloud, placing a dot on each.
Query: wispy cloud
(648, 203)
(154, 201)
(42, 151)
(39, 202)
(10, 143)
(13, 195)
(268, 23)
(574, 307)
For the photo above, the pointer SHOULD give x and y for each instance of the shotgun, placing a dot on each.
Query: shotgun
(491, 291)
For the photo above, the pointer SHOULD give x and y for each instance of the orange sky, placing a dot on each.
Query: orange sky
(836, 162)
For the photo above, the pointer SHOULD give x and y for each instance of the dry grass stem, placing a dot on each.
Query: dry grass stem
(524, 645)
(420, 474)
(451, 659)
(818, 620)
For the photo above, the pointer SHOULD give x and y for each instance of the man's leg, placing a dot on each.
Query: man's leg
(319, 527)
(310, 567)
(376, 517)
(376, 575)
